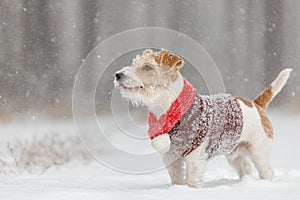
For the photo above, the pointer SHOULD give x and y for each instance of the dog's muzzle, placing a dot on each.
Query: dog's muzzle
(119, 76)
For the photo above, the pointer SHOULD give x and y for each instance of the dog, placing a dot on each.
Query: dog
(188, 127)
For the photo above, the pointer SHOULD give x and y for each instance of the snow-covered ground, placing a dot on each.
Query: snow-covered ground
(91, 180)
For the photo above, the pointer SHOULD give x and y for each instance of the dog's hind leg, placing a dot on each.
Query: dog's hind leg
(260, 156)
(175, 168)
(240, 163)
(238, 159)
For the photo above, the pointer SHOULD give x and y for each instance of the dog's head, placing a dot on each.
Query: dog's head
(149, 75)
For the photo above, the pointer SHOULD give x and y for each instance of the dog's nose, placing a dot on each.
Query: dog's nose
(119, 76)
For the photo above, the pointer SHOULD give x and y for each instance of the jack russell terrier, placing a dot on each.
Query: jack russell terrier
(188, 127)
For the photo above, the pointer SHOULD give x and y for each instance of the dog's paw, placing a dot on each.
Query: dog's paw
(267, 175)
(194, 184)
(161, 143)
(178, 182)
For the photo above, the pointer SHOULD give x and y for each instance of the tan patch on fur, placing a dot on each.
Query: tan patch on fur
(245, 101)
(166, 58)
(264, 98)
(265, 121)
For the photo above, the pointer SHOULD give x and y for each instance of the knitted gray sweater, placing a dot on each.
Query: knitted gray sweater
(217, 119)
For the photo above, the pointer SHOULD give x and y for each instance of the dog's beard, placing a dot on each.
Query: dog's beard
(132, 90)
(137, 92)
(139, 96)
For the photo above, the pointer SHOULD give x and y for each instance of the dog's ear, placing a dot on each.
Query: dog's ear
(168, 59)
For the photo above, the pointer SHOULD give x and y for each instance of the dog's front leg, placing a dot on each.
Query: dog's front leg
(174, 166)
(161, 143)
(195, 166)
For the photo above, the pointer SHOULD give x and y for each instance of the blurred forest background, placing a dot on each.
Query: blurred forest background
(42, 44)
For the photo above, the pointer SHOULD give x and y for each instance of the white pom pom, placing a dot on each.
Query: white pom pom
(161, 143)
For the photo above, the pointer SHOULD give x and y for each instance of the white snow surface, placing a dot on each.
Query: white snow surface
(94, 181)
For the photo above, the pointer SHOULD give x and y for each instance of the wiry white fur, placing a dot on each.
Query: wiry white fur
(163, 100)
(280, 81)
(132, 79)
(195, 165)
(240, 162)
(175, 168)
(161, 143)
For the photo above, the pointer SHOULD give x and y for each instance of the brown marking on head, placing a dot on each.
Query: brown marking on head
(165, 58)
(245, 101)
(164, 64)
(169, 63)
(265, 121)
(264, 98)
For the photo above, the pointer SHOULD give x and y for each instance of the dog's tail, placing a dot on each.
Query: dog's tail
(264, 98)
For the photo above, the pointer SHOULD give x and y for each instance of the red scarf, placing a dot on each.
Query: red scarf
(176, 111)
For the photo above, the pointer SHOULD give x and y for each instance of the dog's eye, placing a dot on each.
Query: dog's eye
(147, 68)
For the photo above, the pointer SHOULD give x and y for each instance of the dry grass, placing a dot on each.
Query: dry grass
(39, 154)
